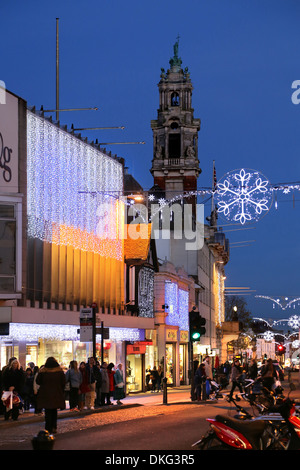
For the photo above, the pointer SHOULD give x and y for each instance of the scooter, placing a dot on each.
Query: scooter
(254, 434)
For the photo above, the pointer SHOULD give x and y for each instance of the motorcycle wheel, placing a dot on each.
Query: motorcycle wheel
(211, 442)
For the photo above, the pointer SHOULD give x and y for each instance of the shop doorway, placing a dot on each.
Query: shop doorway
(170, 364)
(183, 364)
(134, 373)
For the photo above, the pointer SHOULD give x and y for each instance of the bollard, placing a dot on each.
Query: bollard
(165, 394)
(43, 441)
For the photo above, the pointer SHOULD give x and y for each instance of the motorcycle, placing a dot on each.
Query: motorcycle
(264, 433)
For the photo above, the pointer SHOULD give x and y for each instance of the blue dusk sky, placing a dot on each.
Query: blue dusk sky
(242, 57)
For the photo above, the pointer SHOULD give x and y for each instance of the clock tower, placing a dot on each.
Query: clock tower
(175, 165)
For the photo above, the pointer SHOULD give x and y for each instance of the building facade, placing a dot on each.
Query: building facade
(62, 244)
(176, 169)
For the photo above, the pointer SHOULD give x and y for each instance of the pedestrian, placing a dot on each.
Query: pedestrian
(154, 378)
(98, 385)
(74, 377)
(119, 384)
(93, 373)
(27, 392)
(84, 386)
(236, 373)
(199, 379)
(37, 411)
(13, 381)
(111, 374)
(208, 368)
(51, 395)
(148, 375)
(252, 370)
(104, 388)
(31, 365)
(268, 375)
(160, 376)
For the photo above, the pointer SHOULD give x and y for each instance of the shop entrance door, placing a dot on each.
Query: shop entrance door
(170, 364)
(134, 372)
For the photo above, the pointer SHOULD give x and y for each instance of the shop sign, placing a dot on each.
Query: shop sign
(9, 131)
(135, 349)
(138, 347)
(171, 335)
(184, 336)
(86, 325)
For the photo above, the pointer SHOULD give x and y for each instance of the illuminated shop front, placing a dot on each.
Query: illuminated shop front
(64, 225)
(139, 355)
(35, 343)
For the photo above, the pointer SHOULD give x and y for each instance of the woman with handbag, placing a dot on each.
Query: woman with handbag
(119, 385)
(51, 394)
(74, 377)
(13, 381)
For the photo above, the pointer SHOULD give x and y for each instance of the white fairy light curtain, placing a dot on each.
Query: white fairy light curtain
(177, 306)
(73, 191)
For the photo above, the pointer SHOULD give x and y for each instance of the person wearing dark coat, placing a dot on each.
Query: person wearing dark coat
(119, 385)
(252, 371)
(13, 380)
(199, 379)
(51, 394)
(236, 373)
(154, 378)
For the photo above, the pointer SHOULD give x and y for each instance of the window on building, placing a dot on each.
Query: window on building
(7, 248)
(175, 99)
(174, 146)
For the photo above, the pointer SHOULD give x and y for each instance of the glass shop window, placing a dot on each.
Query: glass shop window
(7, 248)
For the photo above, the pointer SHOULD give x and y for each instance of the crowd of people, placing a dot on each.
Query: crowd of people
(154, 378)
(234, 375)
(47, 388)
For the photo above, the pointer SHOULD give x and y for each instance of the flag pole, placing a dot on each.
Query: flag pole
(213, 187)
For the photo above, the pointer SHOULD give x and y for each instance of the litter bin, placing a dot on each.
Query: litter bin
(43, 441)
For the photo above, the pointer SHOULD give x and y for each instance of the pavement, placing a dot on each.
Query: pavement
(175, 395)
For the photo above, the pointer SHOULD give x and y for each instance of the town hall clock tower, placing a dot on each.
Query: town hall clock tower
(175, 165)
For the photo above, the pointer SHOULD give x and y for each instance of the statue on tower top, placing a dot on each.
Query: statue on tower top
(176, 61)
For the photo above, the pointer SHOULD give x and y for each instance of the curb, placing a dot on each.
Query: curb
(62, 414)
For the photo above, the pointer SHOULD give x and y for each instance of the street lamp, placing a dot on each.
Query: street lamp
(234, 308)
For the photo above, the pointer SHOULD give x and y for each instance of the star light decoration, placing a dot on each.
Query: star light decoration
(243, 196)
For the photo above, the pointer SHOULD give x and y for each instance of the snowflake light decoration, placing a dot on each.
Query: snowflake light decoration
(294, 322)
(268, 336)
(243, 196)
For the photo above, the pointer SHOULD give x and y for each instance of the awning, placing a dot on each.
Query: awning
(137, 243)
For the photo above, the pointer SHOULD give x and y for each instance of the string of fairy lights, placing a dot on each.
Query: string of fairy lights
(292, 322)
(241, 196)
(63, 172)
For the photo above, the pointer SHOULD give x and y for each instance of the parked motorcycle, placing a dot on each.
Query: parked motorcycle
(264, 433)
